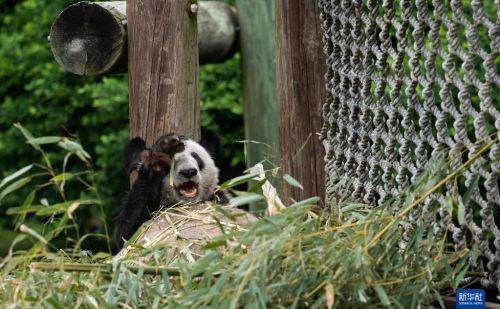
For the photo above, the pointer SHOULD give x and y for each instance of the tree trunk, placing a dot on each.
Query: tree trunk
(90, 38)
(301, 93)
(163, 69)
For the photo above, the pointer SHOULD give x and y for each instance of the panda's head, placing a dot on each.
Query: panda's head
(195, 175)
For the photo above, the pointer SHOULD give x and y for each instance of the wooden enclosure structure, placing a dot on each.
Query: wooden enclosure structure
(282, 66)
(163, 69)
(301, 93)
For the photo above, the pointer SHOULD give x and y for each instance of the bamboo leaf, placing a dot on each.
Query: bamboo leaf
(63, 207)
(470, 189)
(25, 229)
(23, 210)
(171, 174)
(74, 147)
(257, 185)
(224, 212)
(292, 181)
(461, 212)
(53, 209)
(45, 140)
(91, 301)
(15, 175)
(246, 199)
(27, 134)
(63, 177)
(239, 180)
(310, 201)
(14, 186)
(19, 238)
(382, 295)
(72, 208)
(215, 244)
(329, 295)
(29, 199)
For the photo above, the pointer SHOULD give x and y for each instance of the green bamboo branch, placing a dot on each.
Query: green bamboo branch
(85, 267)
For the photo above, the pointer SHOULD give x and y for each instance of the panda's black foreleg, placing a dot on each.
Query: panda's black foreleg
(144, 198)
(132, 154)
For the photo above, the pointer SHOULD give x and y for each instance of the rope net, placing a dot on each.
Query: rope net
(406, 81)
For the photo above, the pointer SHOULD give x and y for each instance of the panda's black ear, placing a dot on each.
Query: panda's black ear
(132, 153)
(212, 143)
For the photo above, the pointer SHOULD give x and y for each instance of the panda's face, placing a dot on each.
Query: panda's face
(195, 175)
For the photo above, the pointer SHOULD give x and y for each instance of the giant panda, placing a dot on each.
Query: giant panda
(195, 178)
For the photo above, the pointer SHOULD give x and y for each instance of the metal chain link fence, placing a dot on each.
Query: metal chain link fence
(408, 80)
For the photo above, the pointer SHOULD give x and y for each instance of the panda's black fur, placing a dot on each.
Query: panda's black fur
(196, 178)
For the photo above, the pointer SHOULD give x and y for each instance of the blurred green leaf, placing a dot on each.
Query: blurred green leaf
(15, 186)
(246, 199)
(292, 181)
(15, 175)
(382, 295)
(45, 140)
(25, 229)
(310, 201)
(239, 180)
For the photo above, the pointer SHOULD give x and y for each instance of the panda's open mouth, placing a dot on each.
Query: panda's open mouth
(188, 189)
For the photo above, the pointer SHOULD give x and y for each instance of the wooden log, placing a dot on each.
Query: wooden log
(218, 30)
(186, 229)
(163, 69)
(90, 38)
(301, 93)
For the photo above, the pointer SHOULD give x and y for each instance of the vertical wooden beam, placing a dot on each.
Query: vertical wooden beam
(258, 68)
(163, 68)
(301, 93)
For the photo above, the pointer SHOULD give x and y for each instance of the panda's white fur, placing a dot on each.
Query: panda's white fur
(206, 179)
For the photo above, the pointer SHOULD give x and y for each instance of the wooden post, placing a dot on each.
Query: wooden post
(301, 94)
(90, 38)
(258, 67)
(163, 68)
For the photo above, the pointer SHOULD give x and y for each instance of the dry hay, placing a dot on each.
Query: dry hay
(186, 229)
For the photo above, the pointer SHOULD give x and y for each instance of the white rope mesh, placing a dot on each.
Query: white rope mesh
(407, 80)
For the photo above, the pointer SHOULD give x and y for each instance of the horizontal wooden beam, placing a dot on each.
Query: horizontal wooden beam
(90, 38)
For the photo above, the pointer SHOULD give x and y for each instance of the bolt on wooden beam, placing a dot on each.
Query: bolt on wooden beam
(90, 38)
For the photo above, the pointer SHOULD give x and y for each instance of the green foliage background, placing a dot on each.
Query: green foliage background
(37, 92)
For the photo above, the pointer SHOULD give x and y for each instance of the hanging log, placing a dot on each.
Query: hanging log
(90, 38)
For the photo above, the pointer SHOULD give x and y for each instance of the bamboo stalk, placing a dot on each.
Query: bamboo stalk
(86, 267)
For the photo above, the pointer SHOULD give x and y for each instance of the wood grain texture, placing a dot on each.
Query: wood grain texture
(258, 73)
(301, 93)
(163, 69)
(90, 38)
(258, 67)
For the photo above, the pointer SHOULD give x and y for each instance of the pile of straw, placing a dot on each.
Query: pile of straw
(186, 229)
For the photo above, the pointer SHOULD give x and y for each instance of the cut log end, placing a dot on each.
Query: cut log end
(90, 38)
(87, 39)
(217, 31)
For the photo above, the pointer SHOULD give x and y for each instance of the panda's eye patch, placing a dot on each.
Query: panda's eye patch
(200, 162)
